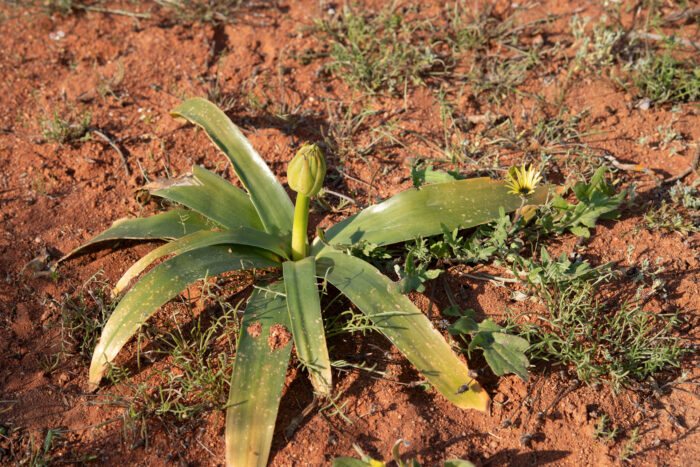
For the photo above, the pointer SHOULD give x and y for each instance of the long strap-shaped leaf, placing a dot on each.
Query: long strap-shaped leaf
(405, 326)
(161, 284)
(165, 226)
(258, 376)
(239, 236)
(269, 198)
(212, 196)
(307, 323)
(427, 211)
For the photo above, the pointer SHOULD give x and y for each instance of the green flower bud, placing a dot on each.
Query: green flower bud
(306, 171)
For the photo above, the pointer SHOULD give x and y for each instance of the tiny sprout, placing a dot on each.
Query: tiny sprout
(522, 181)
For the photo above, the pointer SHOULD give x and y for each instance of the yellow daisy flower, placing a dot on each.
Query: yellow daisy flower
(522, 181)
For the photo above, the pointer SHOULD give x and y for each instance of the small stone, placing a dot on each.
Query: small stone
(45, 316)
(644, 104)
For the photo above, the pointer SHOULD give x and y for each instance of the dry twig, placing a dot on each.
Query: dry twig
(97, 132)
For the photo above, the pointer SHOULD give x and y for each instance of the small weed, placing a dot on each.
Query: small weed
(382, 51)
(84, 316)
(64, 7)
(344, 125)
(668, 218)
(688, 196)
(43, 185)
(206, 11)
(145, 115)
(367, 461)
(600, 49)
(505, 238)
(681, 215)
(630, 447)
(67, 7)
(111, 86)
(348, 322)
(415, 271)
(504, 353)
(498, 78)
(57, 129)
(663, 78)
(604, 431)
(81, 322)
(470, 30)
(337, 409)
(616, 345)
(216, 94)
(196, 375)
(40, 456)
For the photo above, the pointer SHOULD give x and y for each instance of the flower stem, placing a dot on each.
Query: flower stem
(301, 221)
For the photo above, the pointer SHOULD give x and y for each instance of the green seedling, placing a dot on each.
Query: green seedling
(221, 228)
(604, 431)
(367, 461)
(57, 129)
(629, 449)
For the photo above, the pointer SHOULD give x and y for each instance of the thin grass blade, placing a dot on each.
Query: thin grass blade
(159, 285)
(211, 196)
(268, 196)
(307, 323)
(169, 225)
(258, 376)
(239, 236)
(427, 211)
(405, 326)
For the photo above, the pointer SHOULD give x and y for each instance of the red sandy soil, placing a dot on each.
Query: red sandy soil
(54, 197)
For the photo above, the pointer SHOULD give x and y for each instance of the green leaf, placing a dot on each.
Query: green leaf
(413, 278)
(428, 211)
(404, 324)
(464, 325)
(506, 354)
(349, 462)
(165, 226)
(307, 323)
(269, 198)
(422, 174)
(458, 463)
(239, 236)
(211, 196)
(258, 377)
(159, 285)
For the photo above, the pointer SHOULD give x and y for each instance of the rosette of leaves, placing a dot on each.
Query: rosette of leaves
(219, 228)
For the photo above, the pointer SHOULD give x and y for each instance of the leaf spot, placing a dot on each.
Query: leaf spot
(279, 337)
(255, 329)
